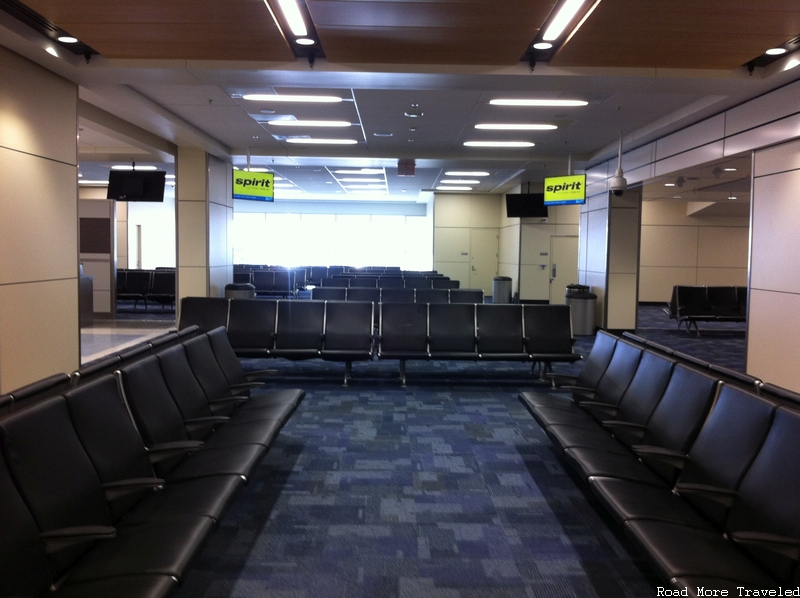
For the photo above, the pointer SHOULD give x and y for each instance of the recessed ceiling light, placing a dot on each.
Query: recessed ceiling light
(460, 182)
(365, 186)
(308, 123)
(414, 114)
(536, 102)
(729, 169)
(67, 39)
(91, 183)
(499, 144)
(731, 197)
(51, 50)
(383, 134)
(271, 97)
(466, 173)
(257, 169)
(283, 185)
(359, 180)
(293, 17)
(542, 46)
(669, 184)
(775, 51)
(312, 141)
(170, 176)
(305, 41)
(515, 127)
(359, 171)
(562, 19)
(446, 188)
(127, 167)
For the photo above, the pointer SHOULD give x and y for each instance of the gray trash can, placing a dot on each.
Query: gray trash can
(582, 304)
(240, 290)
(501, 289)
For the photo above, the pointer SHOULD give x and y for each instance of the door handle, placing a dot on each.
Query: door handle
(473, 268)
(553, 275)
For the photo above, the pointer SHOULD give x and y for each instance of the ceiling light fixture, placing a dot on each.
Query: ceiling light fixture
(67, 39)
(308, 123)
(460, 182)
(127, 167)
(91, 183)
(775, 51)
(446, 188)
(537, 102)
(466, 173)
(305, 41)
(271, 97)
(291, 13)
(567, 12)
(499, 144)
(317, 141)
(360, 171)
(729, 169)
(515, 127)
(669, 184)
(359, 180)
(542, 46)
(365, 186)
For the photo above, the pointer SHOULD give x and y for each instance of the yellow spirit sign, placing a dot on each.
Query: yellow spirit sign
(559, 190)
(253, 185)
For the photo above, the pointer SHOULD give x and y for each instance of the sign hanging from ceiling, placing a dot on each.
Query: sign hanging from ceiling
(256, 186)
(560, 190)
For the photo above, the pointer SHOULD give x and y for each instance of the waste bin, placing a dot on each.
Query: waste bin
(501, 289)
(582, 304)
(240, 290)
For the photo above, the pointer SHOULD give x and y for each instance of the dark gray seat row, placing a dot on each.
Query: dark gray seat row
(693, 304)
(156, 285)
(398, 295)
(110, 488)
(703, 476)
(343, 330)
(390, 282)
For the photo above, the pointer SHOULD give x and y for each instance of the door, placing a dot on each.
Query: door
(563, 266)
(483, 248)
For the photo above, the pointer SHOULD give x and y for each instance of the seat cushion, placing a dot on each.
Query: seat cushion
(592, 462)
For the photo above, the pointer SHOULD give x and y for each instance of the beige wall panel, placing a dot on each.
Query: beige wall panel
(774, 105)
(122, 243)
(534, 284)
(666, 213)
(643, 173)
(99, 271)
(769, 134)
(38, 110)
(192, 234)
(567, 230)
(704, 132)
(42, 243)
(191, 175)
(485, 211)
(777, 159)
(219, 182)
(583, 237)
(624, 247)
(596, 241)
(451, 210)
(655, 283)
(566, 215)
(691, 158)
(723, 247)
(641, 157)
(455, 270)
(669, 246)
(40, 335)
(621, 301)
(722, 277)
(451, 245)
(776, 242)
(535, 243)
(101, 302)
(219, 276)
(219, 249)
(192, 281)
(773, 345)
(508, 244)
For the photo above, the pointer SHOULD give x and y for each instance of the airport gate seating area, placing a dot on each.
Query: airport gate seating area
(156, 286)
(112, 477)
(345, 331)
(693, 304)
(699, 465)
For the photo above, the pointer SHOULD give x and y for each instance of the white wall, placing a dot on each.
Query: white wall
(689, 250)
(157, 220)
(39, 331)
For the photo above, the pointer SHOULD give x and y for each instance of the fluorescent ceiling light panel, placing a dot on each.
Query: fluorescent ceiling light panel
(466, 173)
(125, 167)
(305, 41)
(537, 102)
(515, 127)
(91, 183)
(283, 185)
(359, 180)
(499, 143)
(67, 39)
(359, 171)
(272, 97)
(542, 46)
(446, 188)
(308, 123)
(312, 141)
(460, 182)
(567, 12)
(775, 51)
(291, 13)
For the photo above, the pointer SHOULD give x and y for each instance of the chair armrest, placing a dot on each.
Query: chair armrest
(556, 379)
(246, 385)
(204, 424)
(259, 373)
(614, 425)
(574, 388)
(59, 539)
(599, 407)
(120, 488)
(230, 399)
(169, 450)
(657, 453)
(783, 545)
(722, 496)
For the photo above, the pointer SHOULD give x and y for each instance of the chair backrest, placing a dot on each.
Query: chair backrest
(741, 296)
(392, 295)
(335, 282)
(317, 274)
(207, 369)
(186, 390)
(499, 328)
(41, 389)
(432, 296)
(417, 282)
(226, 358)
(137, 282)
(251, 323)
(329, 293)
(598, 359)
(163, 283)
(349, 325)
(243, 276)
(264, 281)
(646, 388)
(370, 294)
(364, 282)
(466, 295)
(403, 328)
(206, 313)
(548, 328)
(300, 325)
(692, 301)
(452, 328)
(619, 373)
(723, 301)
(391, 282)
(444, 283)
(284, 281)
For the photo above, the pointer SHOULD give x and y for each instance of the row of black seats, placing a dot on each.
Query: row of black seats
(111, 487)
(398, 295)
(391, 282)
(344, 330)
(157, 286)
(703, 474)
(693, 304)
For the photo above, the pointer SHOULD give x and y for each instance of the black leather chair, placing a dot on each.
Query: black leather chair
(136, 286)
(391, 282)
(37, 391)
(548, 336)
(299, 329)
(206, 313)
(329, 293)
(162, 288)
(368, 294)
(393, 295)
(432, 296)
(364, 282)
(335, 282)
(500, 332)
(348, 332)
(251, 326)
(417, 282)
(264, 282)
(452, 331)
(403, 333)
(466, 295)
(444, 283)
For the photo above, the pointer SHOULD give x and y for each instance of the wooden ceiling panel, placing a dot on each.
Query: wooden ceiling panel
(713, 34)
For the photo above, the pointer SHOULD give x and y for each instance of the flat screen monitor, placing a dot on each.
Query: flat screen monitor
(136, 185)
(565, 190)
(525, 205)
(255, 186)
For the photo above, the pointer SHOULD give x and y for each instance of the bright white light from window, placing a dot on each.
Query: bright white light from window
(293, 17)
(537, 102)
(271, 97)
(170, 176)
(499, 143)
(562, 19)
(257, 169)
(283, 185)
(466, 173)
(515, 127)
(312, 141)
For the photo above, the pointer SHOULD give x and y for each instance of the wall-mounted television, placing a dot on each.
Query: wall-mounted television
(136, 185)
(565, 190)
(525, 205)
(256, 186)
